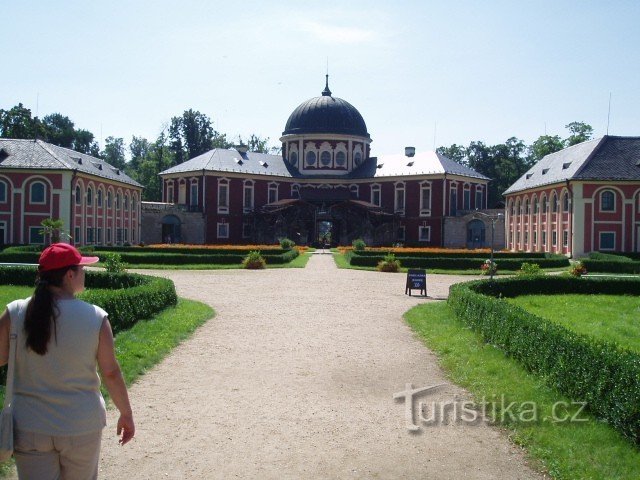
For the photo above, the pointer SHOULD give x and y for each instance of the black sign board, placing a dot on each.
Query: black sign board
(416, 280)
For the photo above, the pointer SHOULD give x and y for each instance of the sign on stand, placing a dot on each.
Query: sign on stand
(416, 280)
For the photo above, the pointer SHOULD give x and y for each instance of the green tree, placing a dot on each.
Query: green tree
(113, 152)
(545, 145)
(457, 153)
(84, 142)
(580, 132)
(139, 148)
(192, 134)
(156, 158)
(18, 123)
(52, 228)
(60, 130)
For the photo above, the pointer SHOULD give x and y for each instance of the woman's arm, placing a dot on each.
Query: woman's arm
(5, 327)
(112, 378)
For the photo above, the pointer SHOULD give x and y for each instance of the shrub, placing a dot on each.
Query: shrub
(113, 263)
(389, 264)
(287, 243)
(586, 369)
(254, 261)
(577, 269)
(358, 245)
(609, 266)
(489, 267)
(530, 269)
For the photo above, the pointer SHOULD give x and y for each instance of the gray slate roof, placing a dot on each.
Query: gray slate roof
(223, 160)
(605, 158)
(36, 154)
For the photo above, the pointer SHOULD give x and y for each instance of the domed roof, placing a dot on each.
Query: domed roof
(326, 114)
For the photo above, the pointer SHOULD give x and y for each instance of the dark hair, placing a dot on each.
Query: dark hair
(40, 318)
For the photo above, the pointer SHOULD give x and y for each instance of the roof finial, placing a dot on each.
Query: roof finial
(326, 92)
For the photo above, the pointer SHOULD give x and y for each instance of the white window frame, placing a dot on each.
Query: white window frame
(193, 199)
(272, 192)
(354, 190)
(295, 190)
(424, 237)
(399, 208)
(169, 198)
(424, 211)
(565, 238)
(375, 188)
(466, 197)
(219, 230)
(479, 195)
(89, 197)
(613, 210)
(600, 241)
(44, 193)
(248, 188)
(554, 238)
(37, 234)
(223, 183)
(89, 235)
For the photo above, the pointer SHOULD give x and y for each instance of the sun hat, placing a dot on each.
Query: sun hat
(60, 255)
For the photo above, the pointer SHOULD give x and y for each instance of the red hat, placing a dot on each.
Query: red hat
(60, 255)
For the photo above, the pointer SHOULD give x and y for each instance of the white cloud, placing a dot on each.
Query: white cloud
(335, 34)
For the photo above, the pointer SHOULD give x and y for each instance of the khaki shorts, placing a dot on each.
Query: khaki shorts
(46, 457)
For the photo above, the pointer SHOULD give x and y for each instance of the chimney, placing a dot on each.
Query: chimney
(409, 151)
(242, 148)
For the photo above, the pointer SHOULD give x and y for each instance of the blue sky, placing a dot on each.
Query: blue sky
(455, 71)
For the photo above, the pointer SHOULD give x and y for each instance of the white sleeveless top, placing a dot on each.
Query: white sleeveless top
(58, 393)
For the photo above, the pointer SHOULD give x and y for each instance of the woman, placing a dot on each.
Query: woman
(58, 410)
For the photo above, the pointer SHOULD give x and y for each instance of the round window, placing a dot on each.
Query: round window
(325, 158)
(294, 159)
(340, 159)
(358, 158)
(311, 158)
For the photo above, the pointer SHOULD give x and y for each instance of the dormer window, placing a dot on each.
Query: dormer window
(544, 171)
(529, 175)
(566, 165)
(3, 154)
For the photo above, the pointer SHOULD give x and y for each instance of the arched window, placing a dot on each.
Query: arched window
(311, 159)
(325, 158)
(3, 194)
(554, 203)
(247, 203)
(78, 195)
(117, 201)
(295, 190)
(399, 198)
(607, 201)
(535, 205)
(341, 159)
(526, 206)
(565, 202)
(99, 198)
(126, 203)
(375, 195)
(544, 204)
(109, 200)
(354, 191)
(89, 196)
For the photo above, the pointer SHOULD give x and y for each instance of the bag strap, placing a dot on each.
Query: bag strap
(13, 340)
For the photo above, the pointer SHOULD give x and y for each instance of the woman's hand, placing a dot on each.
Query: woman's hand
(126, 428)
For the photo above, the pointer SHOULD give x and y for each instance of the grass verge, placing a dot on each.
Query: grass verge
(607, 317)
(566, 450)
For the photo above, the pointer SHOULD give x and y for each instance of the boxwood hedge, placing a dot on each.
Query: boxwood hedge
(127, 297)
(460, 263)
(600, 373)
(444, 254)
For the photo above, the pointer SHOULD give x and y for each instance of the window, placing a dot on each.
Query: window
(526, 238)
(294, 159)
(295, 190)
(401, 233)
(182, 193)
(565, 202)
(99, 198)
(535, 238)
(467, 198)
(341, 159)
(119, 235)
(35, 235)
(399, 198)
(89, 236)
(193, 195)
(453, 201)
(479, 198)
(325, 158)
(425, 199)
(554, 203)
(109, 199)
(554, 238)
(3, 192)
(357, 158)
(375, 195)
(37, 192)
(607, 201)
(246, 229)
(247, 203)
(126, 203)
(108, 235)
(117, 201)
(89, 196)
(527, 210)
(424, 233)
(535, 205)
(544, 204)
(311, 159)
(223, 230)
(607, 240)
(273, 193)
(170, 193)
(565, 238)
(76, 236)
(3, 233)
(99, 235)
(354, 190)
(126, 234)
(544, 239)
(223, 195)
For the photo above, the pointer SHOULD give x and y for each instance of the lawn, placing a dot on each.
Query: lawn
(565, 450)
(614, 318)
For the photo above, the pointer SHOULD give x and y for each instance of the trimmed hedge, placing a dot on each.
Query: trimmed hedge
(127, 297)
(440, 254)
(600, 373)
(460, 263)
(611, 266)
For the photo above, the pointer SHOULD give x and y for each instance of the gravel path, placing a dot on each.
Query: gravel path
(294, 379)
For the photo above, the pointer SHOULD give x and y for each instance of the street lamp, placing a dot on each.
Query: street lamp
(493, 217)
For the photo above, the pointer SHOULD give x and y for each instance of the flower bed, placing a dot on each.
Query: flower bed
(603, 375)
